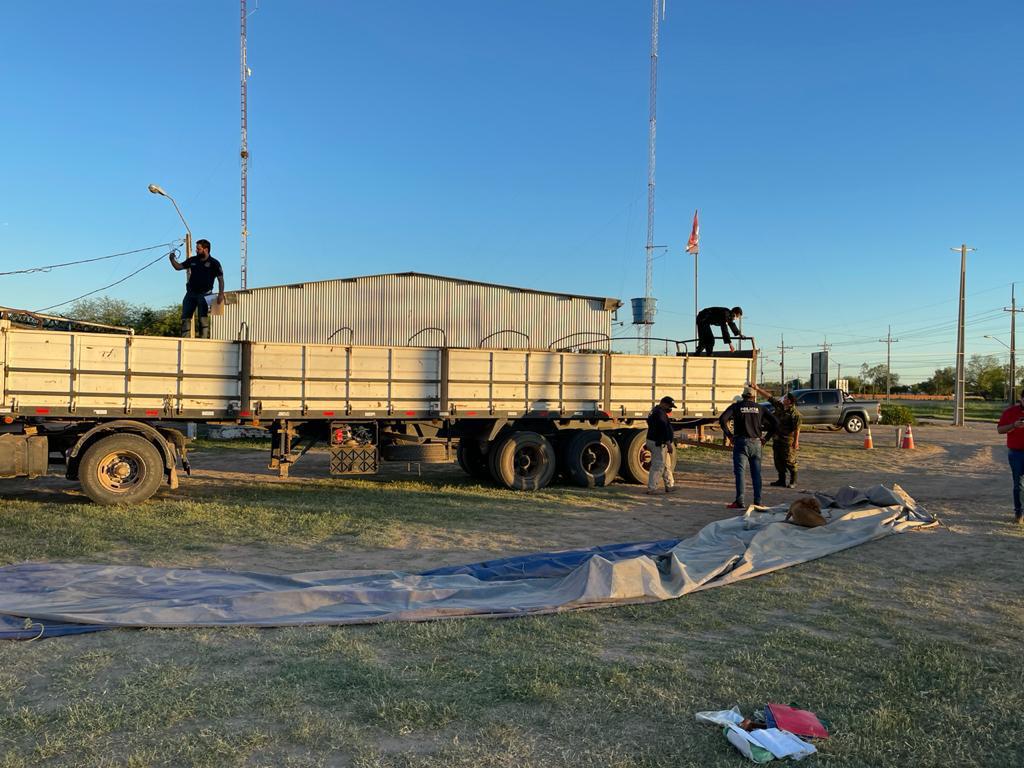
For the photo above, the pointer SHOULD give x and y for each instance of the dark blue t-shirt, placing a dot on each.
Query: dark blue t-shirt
(201, 274)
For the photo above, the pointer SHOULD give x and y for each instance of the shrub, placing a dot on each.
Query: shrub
(897, 414)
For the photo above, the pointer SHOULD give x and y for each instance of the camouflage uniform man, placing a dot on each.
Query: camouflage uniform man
(787, 438)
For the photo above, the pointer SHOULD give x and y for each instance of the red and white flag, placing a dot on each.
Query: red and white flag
(693, 246)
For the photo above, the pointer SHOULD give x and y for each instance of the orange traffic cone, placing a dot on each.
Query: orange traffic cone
(908, 439)
(868, 444)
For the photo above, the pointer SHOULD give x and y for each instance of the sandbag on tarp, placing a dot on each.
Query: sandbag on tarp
(721, 553)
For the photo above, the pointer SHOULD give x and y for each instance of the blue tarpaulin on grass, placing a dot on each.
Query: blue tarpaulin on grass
(53, 599)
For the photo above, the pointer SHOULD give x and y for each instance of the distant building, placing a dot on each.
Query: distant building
(410, 308)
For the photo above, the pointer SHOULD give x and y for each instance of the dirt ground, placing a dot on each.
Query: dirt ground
(959, 474)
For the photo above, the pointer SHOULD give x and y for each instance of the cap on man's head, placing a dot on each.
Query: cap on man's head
(749, 391)
(668, 402)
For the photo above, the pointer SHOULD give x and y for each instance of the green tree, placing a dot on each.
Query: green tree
(146, 321)
(875, 377)
(986, 377)
(941, 382)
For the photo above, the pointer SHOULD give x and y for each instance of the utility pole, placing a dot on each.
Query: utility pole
(958, 403)
(782, 363)
(1012, 309)
(888, 341)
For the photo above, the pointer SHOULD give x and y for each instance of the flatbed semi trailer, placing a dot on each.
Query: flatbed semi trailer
(112, 408)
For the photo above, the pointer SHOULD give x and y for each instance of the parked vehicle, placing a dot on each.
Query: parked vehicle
(836, 408)
(106, 406)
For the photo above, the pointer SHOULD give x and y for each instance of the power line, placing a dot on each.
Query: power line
(116, 282)
(48, 267)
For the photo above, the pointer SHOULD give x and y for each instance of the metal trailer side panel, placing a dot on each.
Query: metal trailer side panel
(325, 381)
(101, 374)
(702, 386)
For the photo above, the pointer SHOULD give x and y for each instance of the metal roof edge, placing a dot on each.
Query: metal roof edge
(610, 302)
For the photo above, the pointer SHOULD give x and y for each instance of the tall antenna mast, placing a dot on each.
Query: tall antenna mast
(644, 308)
(244, 251)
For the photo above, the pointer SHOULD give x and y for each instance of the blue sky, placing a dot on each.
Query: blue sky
(836, 150)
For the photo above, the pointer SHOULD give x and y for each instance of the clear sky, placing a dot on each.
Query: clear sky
(836, 150)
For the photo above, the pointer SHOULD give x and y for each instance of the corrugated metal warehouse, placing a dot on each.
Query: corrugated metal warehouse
(411, 308)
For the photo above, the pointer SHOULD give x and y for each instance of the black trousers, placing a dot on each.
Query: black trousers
(195, 304)
(705, 338)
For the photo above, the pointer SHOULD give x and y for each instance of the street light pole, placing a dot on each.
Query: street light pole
(157, 190)
(958, 403)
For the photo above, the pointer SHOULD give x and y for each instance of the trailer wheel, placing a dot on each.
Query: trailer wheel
(472, 459)
(636, 458)
(121, 469)
(523, 461)
(592, 459)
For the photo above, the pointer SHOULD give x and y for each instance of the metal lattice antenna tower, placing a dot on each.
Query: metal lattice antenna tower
(244, 152)
(652, 137)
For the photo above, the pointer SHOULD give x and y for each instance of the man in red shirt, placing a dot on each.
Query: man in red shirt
(1011, 424)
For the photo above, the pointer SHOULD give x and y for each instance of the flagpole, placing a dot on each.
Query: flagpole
(696, 256)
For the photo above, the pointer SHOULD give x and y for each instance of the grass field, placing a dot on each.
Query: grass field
(980, 410)
(915, 661)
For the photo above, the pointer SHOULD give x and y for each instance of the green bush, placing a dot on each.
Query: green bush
(897, 414)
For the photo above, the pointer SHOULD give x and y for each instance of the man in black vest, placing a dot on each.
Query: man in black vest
(202, 270)
(748, 421)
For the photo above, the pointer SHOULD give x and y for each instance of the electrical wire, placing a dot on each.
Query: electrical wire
(117, 282)
(48, 267)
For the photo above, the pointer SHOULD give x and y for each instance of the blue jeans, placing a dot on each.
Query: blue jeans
(1016, 459)
(747, 450)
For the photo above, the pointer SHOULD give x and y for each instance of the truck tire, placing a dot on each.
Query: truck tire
(636, 459)
(424, 453)
(472, 459)
(592, 459)
(523, 461)
(121, 469)
(854, 423)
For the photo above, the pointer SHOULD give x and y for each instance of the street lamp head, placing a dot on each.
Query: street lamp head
(156, 190)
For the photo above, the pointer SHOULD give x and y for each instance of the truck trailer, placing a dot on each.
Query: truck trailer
(113, 408)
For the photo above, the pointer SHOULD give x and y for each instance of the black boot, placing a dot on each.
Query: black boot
(792, 478)
(780, 483)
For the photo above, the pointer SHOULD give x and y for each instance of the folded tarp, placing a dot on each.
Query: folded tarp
(721, 553)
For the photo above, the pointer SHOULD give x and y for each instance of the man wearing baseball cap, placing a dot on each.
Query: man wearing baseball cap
(659, 442)
(748, 421)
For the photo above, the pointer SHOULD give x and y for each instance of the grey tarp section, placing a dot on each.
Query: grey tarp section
(721, 553)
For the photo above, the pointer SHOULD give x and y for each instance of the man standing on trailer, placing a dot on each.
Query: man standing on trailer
(660, 436)
(1011, 424)
(748, 421)
(723, 318)
(202, 270)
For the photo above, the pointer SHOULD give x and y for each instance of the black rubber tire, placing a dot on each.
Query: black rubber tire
(424, 453)
(471, 458)
(592, 458)
(854, 423)
(636, 459)
(103, 463)
(522, 461)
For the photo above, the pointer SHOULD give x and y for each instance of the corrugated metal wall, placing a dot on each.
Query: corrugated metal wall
(390, 309)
